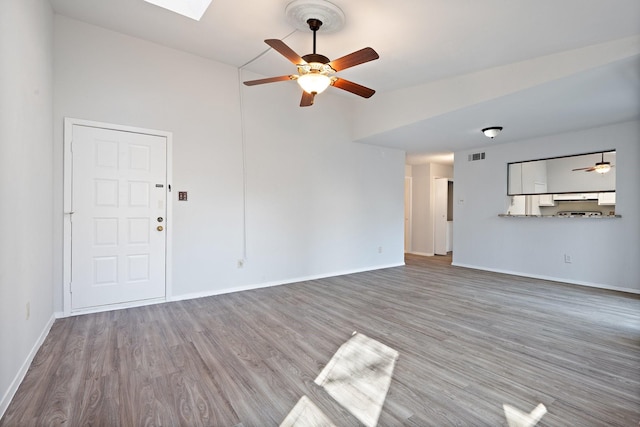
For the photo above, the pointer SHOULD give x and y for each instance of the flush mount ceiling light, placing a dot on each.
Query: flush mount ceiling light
(492, 132)
(193, 9)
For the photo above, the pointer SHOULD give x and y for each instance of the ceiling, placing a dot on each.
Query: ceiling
(420, 42)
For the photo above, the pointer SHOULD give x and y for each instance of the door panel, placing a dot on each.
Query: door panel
(118, 191)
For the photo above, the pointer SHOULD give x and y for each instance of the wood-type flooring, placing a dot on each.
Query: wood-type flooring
(469, 341)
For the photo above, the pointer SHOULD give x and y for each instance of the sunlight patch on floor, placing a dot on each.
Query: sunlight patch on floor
(306, 414)
(517, 418)
(358, 377)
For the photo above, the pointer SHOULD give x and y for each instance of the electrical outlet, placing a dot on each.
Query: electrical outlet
(28, 310)
(379, 249)
(567, 258)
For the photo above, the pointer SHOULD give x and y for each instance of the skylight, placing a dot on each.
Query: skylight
(193, 9)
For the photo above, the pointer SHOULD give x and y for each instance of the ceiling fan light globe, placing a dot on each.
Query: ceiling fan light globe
(314, 82)
(602, 167)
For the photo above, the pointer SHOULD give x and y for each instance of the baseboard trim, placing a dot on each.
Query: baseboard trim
(17, 380)
(121, 306)
(275, 283)
(210, 293)
(550, 278)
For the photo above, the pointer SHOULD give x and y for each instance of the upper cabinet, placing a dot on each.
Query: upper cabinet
(606, 199)
(576, 196)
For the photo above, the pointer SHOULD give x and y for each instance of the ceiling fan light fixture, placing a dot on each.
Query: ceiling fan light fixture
(492, 132)
(314, 82)
(602, 167)
(316, 70)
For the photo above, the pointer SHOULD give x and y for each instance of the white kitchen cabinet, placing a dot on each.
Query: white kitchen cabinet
(546, 200)
(576, 196)
(607, 199)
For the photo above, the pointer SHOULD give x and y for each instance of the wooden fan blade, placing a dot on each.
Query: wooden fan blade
(307, 99)
(590, 169)
(269, 80)
(352, 87)
(285, 51)
(356, 58)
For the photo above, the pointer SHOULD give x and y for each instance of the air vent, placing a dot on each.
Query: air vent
(476, 156)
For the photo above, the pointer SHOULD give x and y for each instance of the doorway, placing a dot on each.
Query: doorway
(443, 216)
(117, 215)
(408, 188)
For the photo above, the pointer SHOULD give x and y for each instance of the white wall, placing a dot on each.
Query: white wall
(317, 204)
(423, 205)
(604, 252)
(25, 186)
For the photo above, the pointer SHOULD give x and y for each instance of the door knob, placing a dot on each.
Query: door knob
(159, 228)
(160, 219)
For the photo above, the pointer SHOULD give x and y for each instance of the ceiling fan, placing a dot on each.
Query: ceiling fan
(315, 71)
(600, 167)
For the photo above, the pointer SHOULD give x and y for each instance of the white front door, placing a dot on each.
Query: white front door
(118, 200)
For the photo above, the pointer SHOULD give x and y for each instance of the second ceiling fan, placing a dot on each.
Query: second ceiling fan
(601, 167)
(315, 71)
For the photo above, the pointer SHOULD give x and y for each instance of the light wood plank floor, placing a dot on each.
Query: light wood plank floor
(468, 340)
